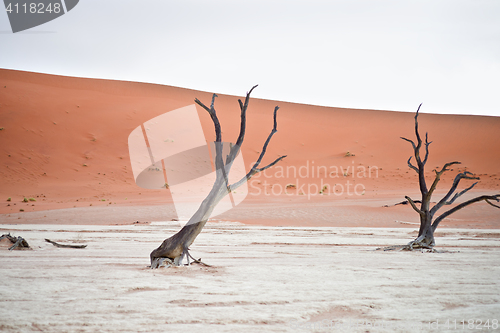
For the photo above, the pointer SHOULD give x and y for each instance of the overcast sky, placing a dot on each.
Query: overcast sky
(370, 54)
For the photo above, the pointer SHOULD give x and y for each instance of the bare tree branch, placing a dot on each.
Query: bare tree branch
(416, 151)
(427, 143)
(65, 245)
(213, 103)
(492, 203)
(271, 164)
(213, 115)
(197, 101)
(456, 181)
(236, 148)
(438, 177)
(275, 129)
(411, 165)
(462, 205)
(219, 161)
(243, 116)
(414, 206)
(253, 172)
(420, 164)
(255, 168)
(419, 140)
(410, 141)
(457, 195)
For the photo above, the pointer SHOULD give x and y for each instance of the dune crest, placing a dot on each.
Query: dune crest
(64, 144)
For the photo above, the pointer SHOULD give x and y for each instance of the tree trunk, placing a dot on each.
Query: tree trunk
(176, 247)
(425, 237)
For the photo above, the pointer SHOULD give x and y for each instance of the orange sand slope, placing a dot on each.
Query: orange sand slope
(64, 143)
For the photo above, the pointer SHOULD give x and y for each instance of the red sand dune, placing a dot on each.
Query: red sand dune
(64, 143)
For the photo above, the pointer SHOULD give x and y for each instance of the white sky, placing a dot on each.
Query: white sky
(389, 54)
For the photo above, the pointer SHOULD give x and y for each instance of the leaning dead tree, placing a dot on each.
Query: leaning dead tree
(428, 223)
(173, 250)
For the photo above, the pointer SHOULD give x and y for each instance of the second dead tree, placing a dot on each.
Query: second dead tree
(428, 223)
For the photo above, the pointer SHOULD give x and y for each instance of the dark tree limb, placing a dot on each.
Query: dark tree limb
(264, 148)
(411, 165)
(438, 177)
(416, 151)
(243, 108)
(65, 245)
(456, 181)
(458, 195)
(198, 261)
(489, 202)
(419, 140)
(255, 169)
(414, 206)
(495, 197)
(427, 143)
(417, 134)
(405, 202)
(410, 141)
(221, 170)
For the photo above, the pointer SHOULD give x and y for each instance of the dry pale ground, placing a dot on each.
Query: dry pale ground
(263, 279)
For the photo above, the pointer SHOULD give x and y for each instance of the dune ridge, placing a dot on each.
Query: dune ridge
(64, 144)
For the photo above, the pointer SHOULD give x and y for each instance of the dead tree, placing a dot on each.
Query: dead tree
(428, 224)
(67, 246)
(174, 249)
(18, 242)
